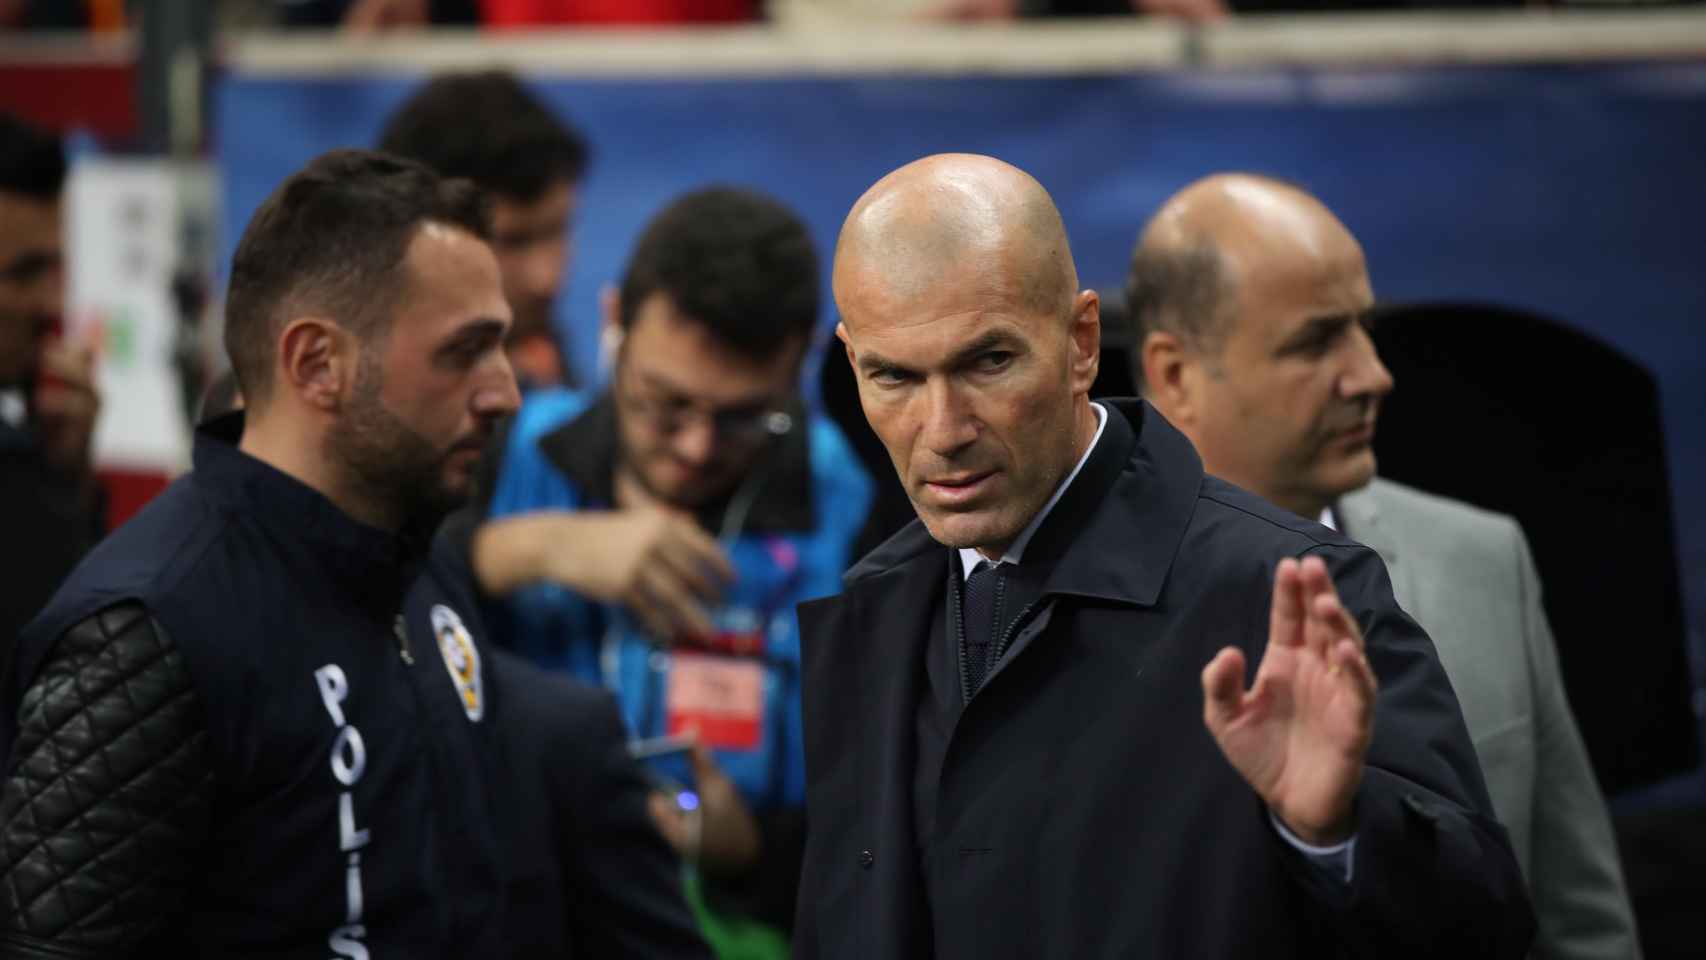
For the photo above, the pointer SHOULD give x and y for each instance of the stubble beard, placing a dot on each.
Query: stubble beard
(388, 460)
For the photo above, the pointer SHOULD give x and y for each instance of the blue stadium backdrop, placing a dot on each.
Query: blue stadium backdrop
(1577, 192)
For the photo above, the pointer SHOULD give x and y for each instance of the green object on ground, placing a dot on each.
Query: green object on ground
(731, 937)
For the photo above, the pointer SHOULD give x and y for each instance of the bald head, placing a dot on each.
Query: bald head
(1222, 234)
(1248, 219)
(1248, 298)
(956, 215)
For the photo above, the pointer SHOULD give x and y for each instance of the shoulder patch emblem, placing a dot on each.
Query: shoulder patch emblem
(461, 658)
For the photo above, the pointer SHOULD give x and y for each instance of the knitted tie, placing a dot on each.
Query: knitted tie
(978, 601)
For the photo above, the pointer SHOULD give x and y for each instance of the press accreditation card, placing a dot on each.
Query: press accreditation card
(720, 697)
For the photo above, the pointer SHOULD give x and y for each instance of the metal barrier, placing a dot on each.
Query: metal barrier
(1031, 47)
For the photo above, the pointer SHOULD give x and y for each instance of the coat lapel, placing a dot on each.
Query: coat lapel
(1144, 476)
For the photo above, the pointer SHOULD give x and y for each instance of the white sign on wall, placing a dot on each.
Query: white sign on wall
(122, 249)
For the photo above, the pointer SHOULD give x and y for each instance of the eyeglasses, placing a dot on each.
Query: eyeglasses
(668, 413)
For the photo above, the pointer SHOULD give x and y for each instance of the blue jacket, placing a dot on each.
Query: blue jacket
(793, 547)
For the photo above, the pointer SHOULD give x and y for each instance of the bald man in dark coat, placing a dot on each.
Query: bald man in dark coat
(1095, 703)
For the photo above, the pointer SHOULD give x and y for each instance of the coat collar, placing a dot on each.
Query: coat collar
(585, 449)
(371, 566)
(1142, 479)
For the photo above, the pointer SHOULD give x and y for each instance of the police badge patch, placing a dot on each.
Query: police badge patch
(461, 658)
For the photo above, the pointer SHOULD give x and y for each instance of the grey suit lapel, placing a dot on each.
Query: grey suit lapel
(1360, 519)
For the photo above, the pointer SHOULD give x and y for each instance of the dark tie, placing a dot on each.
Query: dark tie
(977, 620)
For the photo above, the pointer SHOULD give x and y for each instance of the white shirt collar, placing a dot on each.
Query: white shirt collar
(14, 409)
(1328, 520)
(970, 558)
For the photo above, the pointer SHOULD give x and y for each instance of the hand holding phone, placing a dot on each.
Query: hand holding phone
(710, 825)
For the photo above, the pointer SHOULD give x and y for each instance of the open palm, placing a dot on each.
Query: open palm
(1299, 734)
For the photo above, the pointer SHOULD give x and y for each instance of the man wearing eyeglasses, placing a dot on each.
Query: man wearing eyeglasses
(656, 536)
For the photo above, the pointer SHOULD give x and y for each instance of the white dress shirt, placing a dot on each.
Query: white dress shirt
(970, 558)
(14, 409)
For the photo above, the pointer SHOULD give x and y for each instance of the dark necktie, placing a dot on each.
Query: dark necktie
(981, 596)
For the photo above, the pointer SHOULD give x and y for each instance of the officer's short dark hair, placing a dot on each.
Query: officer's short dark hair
(332, 239)
(32, 161)
(734, 260)
(1181, 290)
(489, 128)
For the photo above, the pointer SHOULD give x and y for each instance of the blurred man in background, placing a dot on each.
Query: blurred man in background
(488, 128)
(50, 504)
(656, 535)
(1249, 298)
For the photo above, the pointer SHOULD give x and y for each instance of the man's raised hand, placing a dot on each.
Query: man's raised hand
(1299, 734)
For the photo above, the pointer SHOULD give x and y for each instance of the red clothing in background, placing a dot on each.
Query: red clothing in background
(506, 14)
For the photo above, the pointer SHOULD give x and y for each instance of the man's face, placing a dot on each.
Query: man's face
(430, 390)
(1288, 402)
(532, 243)
(32, 281)
(973, 393)
(692, 414)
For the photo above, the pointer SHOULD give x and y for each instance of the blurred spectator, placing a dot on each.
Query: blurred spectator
(488, 128)
(1199, 11)
(375, 15)
(362, 15)
(1249, 298)
(589, 874)
(50, 505)
(505, 14)
(831, 11)
(656, 536)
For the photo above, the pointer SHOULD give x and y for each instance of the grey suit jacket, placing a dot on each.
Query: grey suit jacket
(1467, 577)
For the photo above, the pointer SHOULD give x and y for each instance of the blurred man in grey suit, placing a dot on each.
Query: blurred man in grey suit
(1250, 300)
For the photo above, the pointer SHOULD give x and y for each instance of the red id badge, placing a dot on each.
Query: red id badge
(720, 697)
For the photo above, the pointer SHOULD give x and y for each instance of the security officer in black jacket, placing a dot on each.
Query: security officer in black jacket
(256, 721)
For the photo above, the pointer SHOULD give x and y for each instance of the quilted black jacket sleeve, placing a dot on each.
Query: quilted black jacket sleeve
(104, 810)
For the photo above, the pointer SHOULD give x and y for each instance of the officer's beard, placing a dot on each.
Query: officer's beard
(391, 462)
